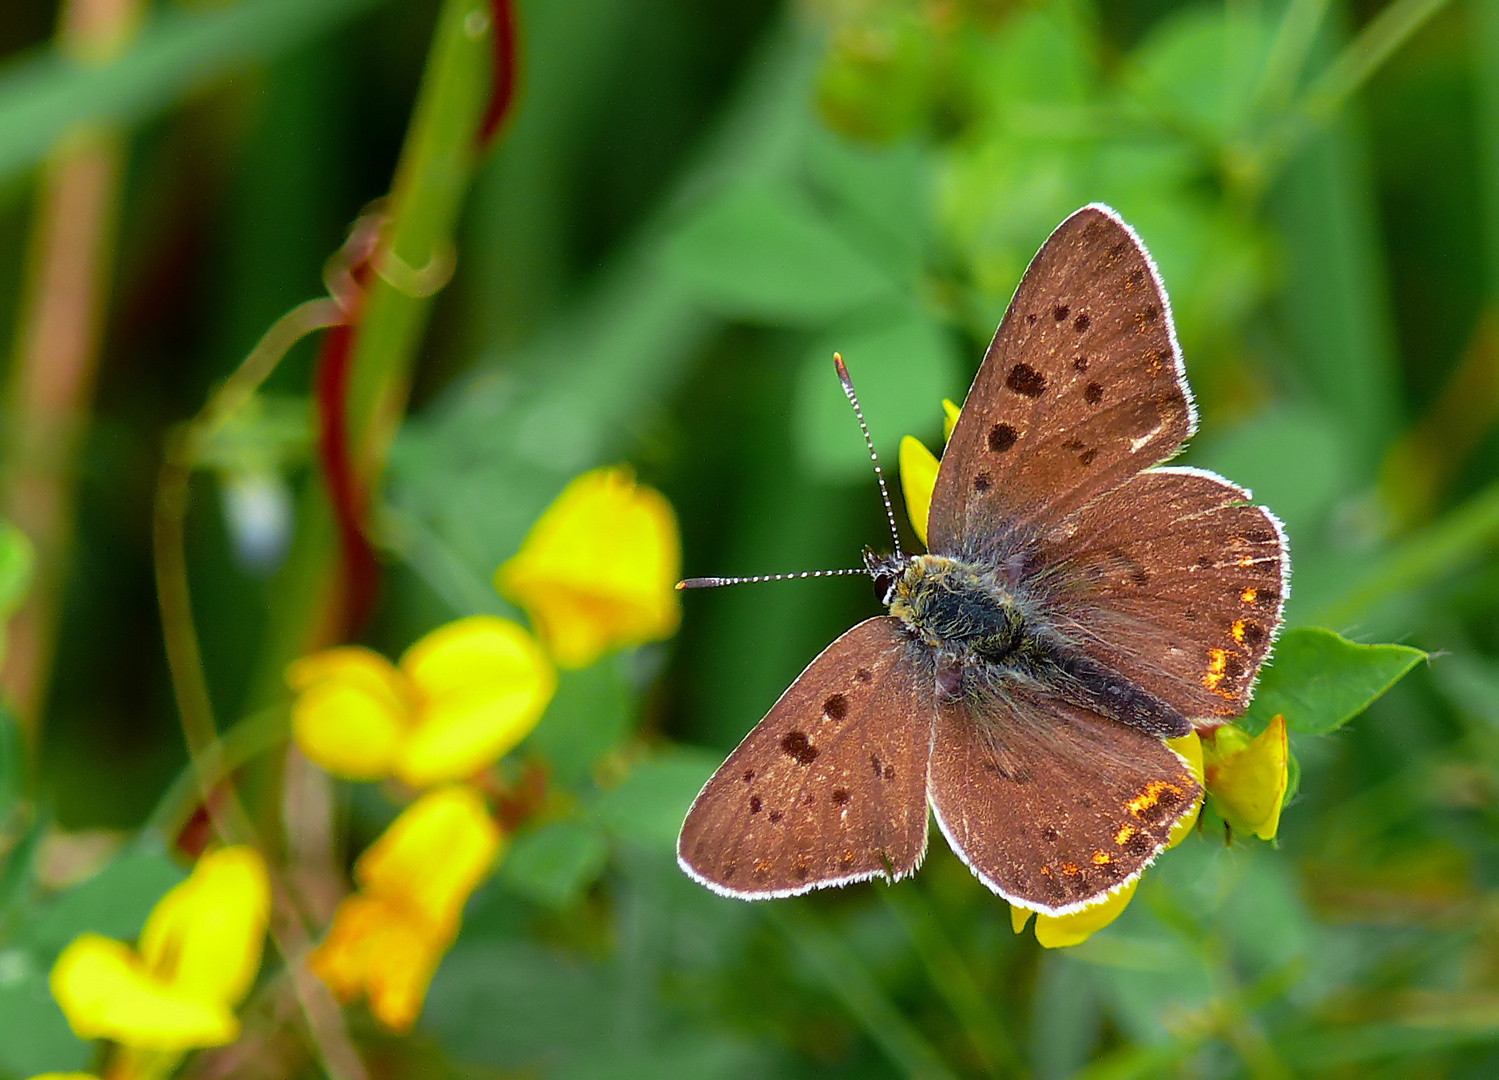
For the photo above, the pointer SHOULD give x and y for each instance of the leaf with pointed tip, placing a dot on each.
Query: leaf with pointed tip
(1320, 680)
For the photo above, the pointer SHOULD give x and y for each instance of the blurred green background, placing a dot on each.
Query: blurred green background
(692, 206)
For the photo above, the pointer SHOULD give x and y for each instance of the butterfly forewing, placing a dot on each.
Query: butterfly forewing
(1052, 806)
(1176, 582)
(830, 787)
(1081, 388)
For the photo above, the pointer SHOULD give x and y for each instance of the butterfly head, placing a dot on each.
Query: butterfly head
(887, 572)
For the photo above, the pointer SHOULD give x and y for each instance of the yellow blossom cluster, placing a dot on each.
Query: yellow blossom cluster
(1246, 777)
(597, 571)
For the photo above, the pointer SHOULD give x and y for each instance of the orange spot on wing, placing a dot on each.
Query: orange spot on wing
(1217, 666)
(1249, 596)
(1103, 858)
(1238, 631)
(1071, 868)
(1150, 796)
(1123, 835)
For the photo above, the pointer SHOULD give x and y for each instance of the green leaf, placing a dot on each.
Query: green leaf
(902, 367)
(649, 806)
(1198, 68)
(764, 253)
(554, 863)
(37, 1038)
(592, 710)
(1319, 681)
(114, 902)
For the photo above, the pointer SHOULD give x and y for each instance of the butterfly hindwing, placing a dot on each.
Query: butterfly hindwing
(1050, 805)
(830, 787)
(1177, 582)
(1081, 388)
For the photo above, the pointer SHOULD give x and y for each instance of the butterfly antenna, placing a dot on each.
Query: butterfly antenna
(714, 582)
(879, 474)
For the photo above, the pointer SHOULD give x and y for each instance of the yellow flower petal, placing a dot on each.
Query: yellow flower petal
(432, 857)
(388, 939)
(1062, 931)
(918, 476)
(351, 713)
(482, 683)
(1188, 746)
(204, 937)
(1247, 777)
(949, 418)
(377, 948)
(599, 568)
(1019, 916)
(106, 992)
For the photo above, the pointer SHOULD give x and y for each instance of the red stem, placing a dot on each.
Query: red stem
(502, 95)
(361, 571)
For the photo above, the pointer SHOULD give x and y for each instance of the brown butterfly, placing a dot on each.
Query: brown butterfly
(1079, 605)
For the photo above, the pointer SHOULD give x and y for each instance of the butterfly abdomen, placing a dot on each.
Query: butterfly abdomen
(981, 635)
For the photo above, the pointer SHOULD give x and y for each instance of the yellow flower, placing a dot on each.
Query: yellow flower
(388, 938)
(599, 568)
(918, 477)
(1060, 931)
(918, 472)
(198, 955)
(462, 697)
(1247, 776)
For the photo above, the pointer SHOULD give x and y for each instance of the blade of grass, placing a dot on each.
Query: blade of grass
(1343, 78)
(1456, 539)
(1288, 53)
(44, 96)
(859, 991)
(954, 981)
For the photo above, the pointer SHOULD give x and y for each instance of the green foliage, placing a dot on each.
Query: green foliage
(114, 902)
(648, 806)
(554, 863)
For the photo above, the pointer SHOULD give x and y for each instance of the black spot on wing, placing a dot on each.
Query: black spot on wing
(796, 745)
(1026, 381)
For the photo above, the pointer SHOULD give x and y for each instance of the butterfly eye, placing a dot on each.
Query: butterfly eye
(886, 571)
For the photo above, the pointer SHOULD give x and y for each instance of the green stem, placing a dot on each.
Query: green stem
(432, 178)
(413, 260)
(184, 659)
(249, 738)
(851, 982)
